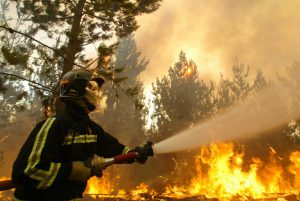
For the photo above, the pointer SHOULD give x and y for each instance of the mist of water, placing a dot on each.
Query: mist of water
(271, 107)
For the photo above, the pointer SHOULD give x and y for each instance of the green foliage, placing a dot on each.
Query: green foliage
(225, 96)
(293, 132)
(21, 96)
(129, 61)
(259, 81)
(127, 65)
(240, 87)
(181, 99)
(86, 22)
(3, 89)
(16, 56)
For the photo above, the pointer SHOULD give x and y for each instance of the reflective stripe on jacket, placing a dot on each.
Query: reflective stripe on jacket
(43, 165)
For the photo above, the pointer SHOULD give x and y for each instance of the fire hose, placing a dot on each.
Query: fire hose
(120, 159)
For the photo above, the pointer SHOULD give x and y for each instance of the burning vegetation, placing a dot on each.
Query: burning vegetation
(223, 171)
(182, 99)
(219, 172)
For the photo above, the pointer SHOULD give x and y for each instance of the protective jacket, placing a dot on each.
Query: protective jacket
(43, 165)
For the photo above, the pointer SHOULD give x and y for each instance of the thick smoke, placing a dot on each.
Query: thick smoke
(262, 34)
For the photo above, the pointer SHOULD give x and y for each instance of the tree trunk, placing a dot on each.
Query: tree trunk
(74, 44)
(72, 49)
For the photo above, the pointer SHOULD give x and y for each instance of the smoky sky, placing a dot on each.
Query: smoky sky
(215, 33)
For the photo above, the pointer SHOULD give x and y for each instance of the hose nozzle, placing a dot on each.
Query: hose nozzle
(143, 152)
(148, 148)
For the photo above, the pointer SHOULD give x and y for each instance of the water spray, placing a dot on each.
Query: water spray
(271, 107)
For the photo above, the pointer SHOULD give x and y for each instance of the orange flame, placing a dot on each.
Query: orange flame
(99, 187)
(5, 195)
(187, 70)
(220, 173)
(140, 190)
(294, 168)
(226, 178)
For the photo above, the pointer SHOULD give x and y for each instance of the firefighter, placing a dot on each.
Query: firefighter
(63, 151)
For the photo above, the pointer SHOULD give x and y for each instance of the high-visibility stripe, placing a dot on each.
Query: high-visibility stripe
(45, 176)
(52, 175)
(34, 153)
(80, 139)
(16, 199)
(126, 150)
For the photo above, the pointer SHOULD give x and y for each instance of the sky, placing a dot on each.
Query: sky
(216, 33)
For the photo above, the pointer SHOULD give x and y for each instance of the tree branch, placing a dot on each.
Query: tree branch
(10, 30)
(98, 17)
(30, 81)
(92, 63)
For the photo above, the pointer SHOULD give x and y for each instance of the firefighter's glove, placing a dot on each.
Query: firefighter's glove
(98, 165)
(79, 172)
(143, 152)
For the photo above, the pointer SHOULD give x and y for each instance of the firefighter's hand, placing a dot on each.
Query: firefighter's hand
(143, 152)
(79, 172)
(98, 165)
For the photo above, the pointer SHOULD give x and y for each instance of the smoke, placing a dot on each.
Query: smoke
(13, 137)
(262, 34)
(272, 107)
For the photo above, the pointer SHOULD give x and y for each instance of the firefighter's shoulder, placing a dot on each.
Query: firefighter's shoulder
(60, 118)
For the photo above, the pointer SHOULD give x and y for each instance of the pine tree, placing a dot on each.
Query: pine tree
(123, 115)
(80, 23)
(15, 58)
(181, 99)
(124, 102)
(68, 29)
(240, 87)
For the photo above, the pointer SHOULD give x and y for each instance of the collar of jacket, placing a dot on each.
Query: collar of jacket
(77, 111)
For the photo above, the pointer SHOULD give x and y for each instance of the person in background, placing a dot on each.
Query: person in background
(64, 151)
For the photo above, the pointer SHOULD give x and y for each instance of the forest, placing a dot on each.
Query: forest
(43, 40)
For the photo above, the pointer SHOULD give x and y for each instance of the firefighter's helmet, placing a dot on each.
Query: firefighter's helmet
(73, 84)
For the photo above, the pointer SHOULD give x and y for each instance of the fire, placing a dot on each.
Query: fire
(4, 178)
(220, 172)
(140, 190)
(102, 188)
(97, 187)
(294, 168)
(5, 195)
(227, 178)
(187, 70)
(175, 191)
